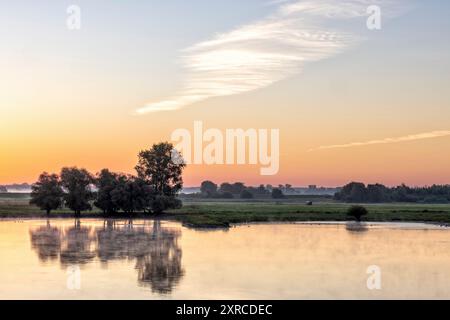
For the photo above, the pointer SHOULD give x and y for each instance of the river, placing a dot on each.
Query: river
(146, 259)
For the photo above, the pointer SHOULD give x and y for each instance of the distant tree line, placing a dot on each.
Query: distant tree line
(14, 187)
(358, 192)
(209, 189)
(154, 189)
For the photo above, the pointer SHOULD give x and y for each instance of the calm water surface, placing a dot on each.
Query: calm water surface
(96, 259)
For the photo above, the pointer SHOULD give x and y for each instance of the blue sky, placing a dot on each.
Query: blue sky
(142, 38)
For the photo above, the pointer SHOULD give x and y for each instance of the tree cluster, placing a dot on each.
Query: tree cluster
(358, 192)
(227, 190)
(155, 188)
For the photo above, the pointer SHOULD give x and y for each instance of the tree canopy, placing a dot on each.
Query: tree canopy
(357, 192)
(208, 189)
(161, 170)
(47, 192)
(155, 188)
(77, 184)
(357, 212)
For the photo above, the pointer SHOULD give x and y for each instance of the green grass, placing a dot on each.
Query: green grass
(16, 205)
(203, 213)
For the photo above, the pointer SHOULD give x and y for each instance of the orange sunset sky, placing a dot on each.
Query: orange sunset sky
(132, 75)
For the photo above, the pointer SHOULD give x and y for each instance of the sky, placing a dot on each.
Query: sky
(351, 104)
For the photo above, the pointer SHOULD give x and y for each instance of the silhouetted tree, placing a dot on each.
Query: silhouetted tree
(259, 191)
(403, 193)
(131, 194)
(106, 182)
(226, 187)
(235, 188)
(377, 193)
(47, 192)
(358, 192)
(77, 185)
(238, 187)
(143, 194)
(352, 192)
(160, 170)
(208, 188)
(357, 212)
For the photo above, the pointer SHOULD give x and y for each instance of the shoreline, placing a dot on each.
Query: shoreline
(220, 215)
(409, 225)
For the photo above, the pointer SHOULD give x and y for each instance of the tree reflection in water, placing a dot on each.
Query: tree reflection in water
(155, 249)
(161, 266)
(46, 240)
(78, 245)
(356, 227)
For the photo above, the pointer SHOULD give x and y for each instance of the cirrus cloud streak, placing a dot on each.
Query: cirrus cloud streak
(259, 54)
(412, 137)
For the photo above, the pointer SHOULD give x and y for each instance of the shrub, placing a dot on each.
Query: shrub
(357, 212)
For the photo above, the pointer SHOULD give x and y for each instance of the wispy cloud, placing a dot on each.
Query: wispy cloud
(412, 137)
(257, 55)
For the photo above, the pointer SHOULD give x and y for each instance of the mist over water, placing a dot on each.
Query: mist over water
(121, 259)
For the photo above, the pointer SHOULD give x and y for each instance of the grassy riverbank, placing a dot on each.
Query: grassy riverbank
(203, 213)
